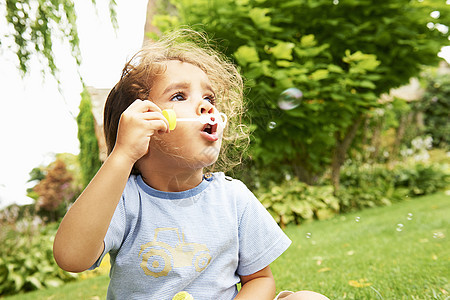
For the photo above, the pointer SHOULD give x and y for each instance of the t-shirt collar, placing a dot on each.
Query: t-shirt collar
(175, 195)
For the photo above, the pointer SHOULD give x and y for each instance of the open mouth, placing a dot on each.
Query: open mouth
(210, 129)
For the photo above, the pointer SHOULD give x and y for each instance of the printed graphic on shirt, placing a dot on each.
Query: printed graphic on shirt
(168, 250)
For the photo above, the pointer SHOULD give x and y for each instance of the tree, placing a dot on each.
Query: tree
(56, 186)
(436, 107)
(89, 150)
(54, 190)
(341, 54)
(36, 24)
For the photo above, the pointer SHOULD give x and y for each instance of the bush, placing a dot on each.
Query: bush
(422, 179)
(295, 201)
(362, 186)
(365, 186)
(377, 184)
(26, 258)
(436, 105)
(56, 187)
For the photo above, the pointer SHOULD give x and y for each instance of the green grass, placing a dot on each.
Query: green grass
(348, 259)
(93, 288)
(371, 258)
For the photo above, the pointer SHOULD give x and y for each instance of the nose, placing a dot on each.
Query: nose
(205, 107)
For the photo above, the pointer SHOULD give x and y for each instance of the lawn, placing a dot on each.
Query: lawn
(396, 252)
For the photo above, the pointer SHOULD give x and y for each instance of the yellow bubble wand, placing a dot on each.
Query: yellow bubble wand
(211, 119)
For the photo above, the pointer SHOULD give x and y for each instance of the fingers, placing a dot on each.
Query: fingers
(137, 124)
(145, 105)
(150, 112)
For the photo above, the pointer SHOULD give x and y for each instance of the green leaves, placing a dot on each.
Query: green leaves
(319, 75)
(297, 202)
(436, 106)
(282, 50)
(26, 260)
(259, 17)
(36, 24)
(89, 151)
(308, 41)
(246, 54)
(32, 23)
(341, 61)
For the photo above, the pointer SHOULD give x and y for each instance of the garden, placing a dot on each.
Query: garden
(355, 173)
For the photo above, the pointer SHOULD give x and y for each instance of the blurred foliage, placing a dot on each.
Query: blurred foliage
(89, 150)
(296, 202)
(55, 192)
(34, 25)
(363, 186)
(386, 131)
(26, 258)
(341, 54)
(436, 108)
(376, 184)
(422, 179)
(56, 186)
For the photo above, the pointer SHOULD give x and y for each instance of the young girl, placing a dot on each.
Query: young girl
(168, 227)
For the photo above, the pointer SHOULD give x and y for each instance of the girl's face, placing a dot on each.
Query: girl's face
(186, 89)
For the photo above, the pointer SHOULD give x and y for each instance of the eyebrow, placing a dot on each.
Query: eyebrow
(185, 85)
(207, 86)
(176, 86)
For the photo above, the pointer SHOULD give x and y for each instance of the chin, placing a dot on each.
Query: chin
(208, 155)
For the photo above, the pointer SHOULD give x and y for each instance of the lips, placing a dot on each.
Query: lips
(209, 132)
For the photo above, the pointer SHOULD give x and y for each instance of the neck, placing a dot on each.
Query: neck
(169, 181)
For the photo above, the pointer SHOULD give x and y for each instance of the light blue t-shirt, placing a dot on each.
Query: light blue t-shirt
(199, 240)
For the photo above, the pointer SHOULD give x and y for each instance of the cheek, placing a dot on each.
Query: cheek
(178, 139)
(185, 141)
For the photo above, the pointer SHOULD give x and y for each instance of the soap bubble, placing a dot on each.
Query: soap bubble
(308, 235)
(290, 99)
(399, 227)
(272, 125)
(438, 235)
(409, 217)
(357, 219)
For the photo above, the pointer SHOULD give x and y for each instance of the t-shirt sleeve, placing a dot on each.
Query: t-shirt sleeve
(115, 234)
(261, 240)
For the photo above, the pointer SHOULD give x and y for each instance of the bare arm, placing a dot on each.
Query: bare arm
(259, 285)
(79, 240)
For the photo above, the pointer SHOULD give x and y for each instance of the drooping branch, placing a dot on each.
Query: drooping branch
(35, 26)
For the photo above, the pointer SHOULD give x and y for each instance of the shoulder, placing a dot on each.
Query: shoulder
(131, 187)
(130, 194)
(234, 190)
(229, 183)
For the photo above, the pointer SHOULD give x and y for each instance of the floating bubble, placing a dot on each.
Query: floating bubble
(290, 99)
(272, 125)
(399, 227)
(438, 235)
(357, 219)
(409, 217)
(308, 235)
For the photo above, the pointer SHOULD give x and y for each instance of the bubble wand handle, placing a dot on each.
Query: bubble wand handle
(211, 119)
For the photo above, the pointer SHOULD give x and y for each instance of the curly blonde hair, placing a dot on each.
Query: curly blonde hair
(185, 45)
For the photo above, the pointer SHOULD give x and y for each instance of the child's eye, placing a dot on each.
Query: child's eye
(211, 99)
(179, 96)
